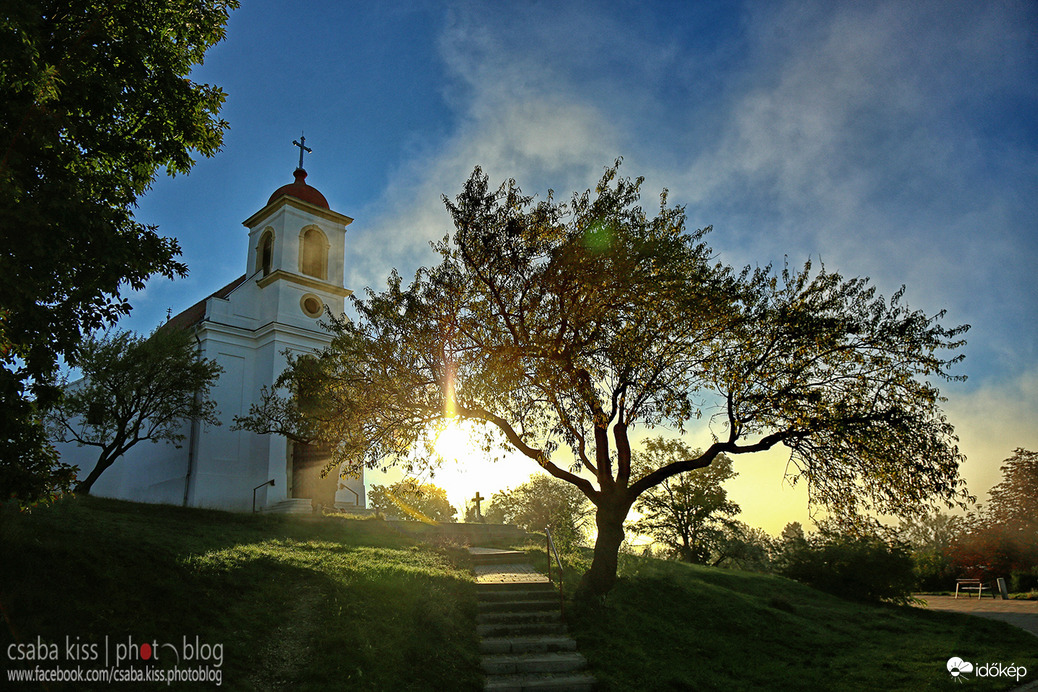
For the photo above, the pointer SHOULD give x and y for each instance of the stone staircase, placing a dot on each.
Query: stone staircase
(523, 638)
(294, 505)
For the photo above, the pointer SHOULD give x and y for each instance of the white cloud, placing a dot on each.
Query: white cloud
(535, 132)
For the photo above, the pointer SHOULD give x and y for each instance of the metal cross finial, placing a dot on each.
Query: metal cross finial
(302, 147)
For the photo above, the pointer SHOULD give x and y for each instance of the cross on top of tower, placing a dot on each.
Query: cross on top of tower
(302, 147)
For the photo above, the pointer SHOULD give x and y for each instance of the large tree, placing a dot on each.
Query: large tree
(690, 513)
(134, 389)
(95, 98)
(572, 324)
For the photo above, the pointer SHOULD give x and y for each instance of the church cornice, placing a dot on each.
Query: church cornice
(309, 282)
(262, 334)
(284, 200)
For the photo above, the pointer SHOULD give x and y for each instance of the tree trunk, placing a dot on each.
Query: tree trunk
(610, 521)
(83, 487)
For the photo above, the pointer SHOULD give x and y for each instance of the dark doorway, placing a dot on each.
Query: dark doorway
(307, 463)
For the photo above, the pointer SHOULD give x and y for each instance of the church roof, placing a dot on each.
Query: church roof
(196, 313)
(300, 190)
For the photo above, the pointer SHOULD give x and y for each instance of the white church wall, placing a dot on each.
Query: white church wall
(149, 471)
(248, 332)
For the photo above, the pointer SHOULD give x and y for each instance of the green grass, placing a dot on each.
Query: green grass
(314, 604)
(673, 626)
(296, 603)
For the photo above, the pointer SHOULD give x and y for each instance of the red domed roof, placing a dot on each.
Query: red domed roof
(300, 190)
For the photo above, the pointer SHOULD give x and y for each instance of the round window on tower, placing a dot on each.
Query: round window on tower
(311, 305)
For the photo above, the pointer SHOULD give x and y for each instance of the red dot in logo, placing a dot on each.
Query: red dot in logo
(145, 651)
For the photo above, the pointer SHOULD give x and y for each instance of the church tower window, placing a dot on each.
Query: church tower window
(265, 253)
(313, 255)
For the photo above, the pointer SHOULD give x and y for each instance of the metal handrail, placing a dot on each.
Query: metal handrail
(270, 483)
(552, 551)
(346, 487)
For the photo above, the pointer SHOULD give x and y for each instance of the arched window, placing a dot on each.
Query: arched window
(313, 254)
(265, 252)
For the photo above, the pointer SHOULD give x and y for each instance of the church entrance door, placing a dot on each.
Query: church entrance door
(307, 463)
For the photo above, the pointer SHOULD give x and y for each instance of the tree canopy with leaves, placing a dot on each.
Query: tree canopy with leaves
(1002, 537)
(570, 324)
(134, 389)
(412, 501)
(543, 501)
(95, 98)
(690, 513)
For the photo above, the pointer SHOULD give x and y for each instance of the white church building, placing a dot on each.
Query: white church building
(293, 271)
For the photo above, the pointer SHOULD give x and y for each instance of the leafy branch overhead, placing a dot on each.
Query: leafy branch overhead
(568, 324)
(95, 99)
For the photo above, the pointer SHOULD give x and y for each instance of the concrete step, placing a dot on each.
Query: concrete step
(518, 618)
(553, 662)
(526, 645)
(546, 603)
(525, 629)
(562, 682)
(497, 557)
(509, 595)
(294, 505)
(510, 587)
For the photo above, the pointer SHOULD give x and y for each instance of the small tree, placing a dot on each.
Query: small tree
(688, 513)
(544, 501)
(134, 389)
(413, 501)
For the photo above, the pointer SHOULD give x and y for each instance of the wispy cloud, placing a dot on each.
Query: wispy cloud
(889, 139)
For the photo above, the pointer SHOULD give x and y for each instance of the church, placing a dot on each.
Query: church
(293, 271)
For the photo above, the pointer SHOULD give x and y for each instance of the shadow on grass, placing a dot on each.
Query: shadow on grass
(300, 604)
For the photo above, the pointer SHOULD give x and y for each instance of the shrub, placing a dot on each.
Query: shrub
(863, 567)
(1021, 580)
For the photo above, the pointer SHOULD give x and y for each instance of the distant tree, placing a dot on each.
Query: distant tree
(95, 98)
(134, 389)
(743, 547)
(549, 324)
(791, 541)
(1014, 501)
(689, 512)
(1002, 536)
(544, 501)
(472, 516)
(412, 501)
(931, 537)
(930, 532)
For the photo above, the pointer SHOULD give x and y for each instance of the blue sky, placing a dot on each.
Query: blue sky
(892, 140)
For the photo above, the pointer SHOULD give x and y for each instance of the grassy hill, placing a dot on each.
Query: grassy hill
(299, 603)
(296, 603)
(674, 626)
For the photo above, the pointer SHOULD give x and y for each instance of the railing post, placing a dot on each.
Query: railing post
(547, 548)
(553, 552)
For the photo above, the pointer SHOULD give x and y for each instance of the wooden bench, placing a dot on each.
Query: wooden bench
(971, 585)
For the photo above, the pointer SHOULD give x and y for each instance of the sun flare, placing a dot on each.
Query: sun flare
(452, 444)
